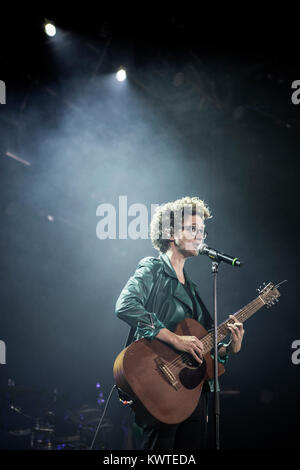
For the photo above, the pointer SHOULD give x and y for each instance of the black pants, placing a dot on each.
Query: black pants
(191, 434)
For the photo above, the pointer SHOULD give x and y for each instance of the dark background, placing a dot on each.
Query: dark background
(205, 111)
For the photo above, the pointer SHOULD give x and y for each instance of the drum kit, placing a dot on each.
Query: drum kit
(38, 420)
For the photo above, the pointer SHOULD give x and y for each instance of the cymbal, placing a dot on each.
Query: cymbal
(87, 410)
(20, 432)
(85, 414)
(44, 429)
(95, 422)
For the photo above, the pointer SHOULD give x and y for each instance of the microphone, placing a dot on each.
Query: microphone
(218, 256)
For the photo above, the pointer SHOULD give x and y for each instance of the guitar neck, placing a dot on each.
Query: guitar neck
(242, 315)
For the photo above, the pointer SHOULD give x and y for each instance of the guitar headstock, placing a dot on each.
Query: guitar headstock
(268, 294)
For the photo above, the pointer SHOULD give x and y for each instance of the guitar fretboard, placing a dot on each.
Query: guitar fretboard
(242, 315)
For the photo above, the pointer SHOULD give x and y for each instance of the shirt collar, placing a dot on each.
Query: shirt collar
(168, 267)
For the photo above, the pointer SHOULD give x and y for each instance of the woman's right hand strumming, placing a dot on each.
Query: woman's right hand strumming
(189, 344)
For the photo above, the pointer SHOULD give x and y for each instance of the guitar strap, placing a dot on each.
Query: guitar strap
(129, 337)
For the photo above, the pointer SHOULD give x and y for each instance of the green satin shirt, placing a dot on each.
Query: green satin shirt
(153, 298)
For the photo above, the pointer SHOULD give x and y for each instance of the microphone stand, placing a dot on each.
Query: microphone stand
(217, 257)
(215, 266)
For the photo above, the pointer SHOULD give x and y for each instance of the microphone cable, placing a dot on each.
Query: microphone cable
(101, 419)
(129, 337)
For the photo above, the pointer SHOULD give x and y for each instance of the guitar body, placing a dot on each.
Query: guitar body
(164, 383)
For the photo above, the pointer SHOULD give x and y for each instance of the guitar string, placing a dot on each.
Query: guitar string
(208, 341)
(243, 314)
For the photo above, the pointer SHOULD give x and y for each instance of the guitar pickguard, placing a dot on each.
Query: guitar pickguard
(191, 378)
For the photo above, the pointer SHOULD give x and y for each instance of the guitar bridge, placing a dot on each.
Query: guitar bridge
(169, 376)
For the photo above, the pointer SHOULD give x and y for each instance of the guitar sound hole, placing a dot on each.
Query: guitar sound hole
(190, 361)
(191, 378)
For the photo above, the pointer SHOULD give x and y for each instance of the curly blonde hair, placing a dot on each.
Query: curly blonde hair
(169, 217)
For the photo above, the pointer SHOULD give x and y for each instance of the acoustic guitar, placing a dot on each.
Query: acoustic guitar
(164, 384)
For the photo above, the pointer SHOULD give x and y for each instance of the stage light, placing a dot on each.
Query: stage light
(121, 75)
(50, 29)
